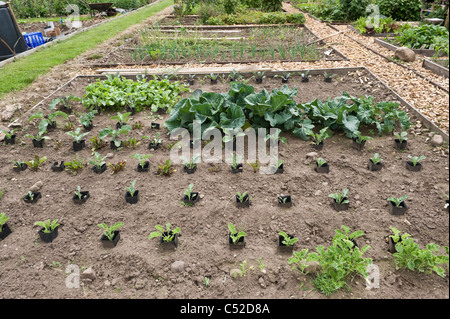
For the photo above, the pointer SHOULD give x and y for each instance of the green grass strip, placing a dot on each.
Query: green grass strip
(18, 75)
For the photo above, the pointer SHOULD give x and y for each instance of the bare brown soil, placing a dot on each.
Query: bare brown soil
(136, 268)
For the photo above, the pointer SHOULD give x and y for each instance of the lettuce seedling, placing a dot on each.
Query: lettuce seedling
(402, 137)
(318, 138)
(8, 134)
(114, 134)
(287, 240)
(234, 234)
(98, 161)
(415, 160)
(189, 191)
(109, 231)
(34, 164)
(241, 197)
(274, 138)
(77, 135)
(321, 162)
(340, 198)
(3, 220)
(397, 201)
(360, 138)
(376, 159)
(87, 119)
(167, 234)
(122, 118)
(141, 158)
(48, 226)
(131, 190)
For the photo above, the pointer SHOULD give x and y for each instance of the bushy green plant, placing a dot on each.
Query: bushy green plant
(400, 10)
(337, 262)
(425, 35)
(410, 256)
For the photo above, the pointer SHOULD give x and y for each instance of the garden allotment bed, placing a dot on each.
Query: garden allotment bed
(136, 267)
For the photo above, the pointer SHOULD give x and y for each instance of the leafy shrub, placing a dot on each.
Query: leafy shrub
(401, 10)
(423, 35)
(337, 262)
(257, 17)
(386, 25)
(410, 256)
(277, 109)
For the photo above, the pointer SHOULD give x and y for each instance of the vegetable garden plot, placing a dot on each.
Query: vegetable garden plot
(133, 264)
(256, 44)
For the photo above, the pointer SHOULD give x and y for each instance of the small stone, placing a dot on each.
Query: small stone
(437, 140)
(311, 156)
(261, 282)
(318, 193)
(36, 187)
(110, 155)
(88, 274)
(312, 267)
(177, 267)
(405, 54)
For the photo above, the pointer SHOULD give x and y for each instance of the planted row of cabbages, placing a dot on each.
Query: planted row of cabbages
(242, 107)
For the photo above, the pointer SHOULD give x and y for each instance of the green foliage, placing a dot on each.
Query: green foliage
(386, 25)
(77, 135)
(189, 191)
(86, 119)
(45, 8)
(337, 262)
(167, 234)
(235, 235)
(42, 130)
(122, 119)
(3, 220)
(141, 158)
(98, 161)
(401, 10)
(34, 164)
(241, 197)
(48, 226)
(64, 101)
(359, 138)
(321, 162)
(376, 159)
(416, 159)
(132, 189)
(287, 240)
(256, 17)
(114, 93)
(165, 169)
(403, 136)
(78, 192)
(423, 36)
(74, 166)
(410, 256)
(109, 231)
(340, 198)
(115, 134)
(397, 201)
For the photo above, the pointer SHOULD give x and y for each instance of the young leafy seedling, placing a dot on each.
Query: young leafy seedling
(397, 201)
(77, 135)
(416, 159)
(234, 234)
(318, 138)
(360, 139)
(3, 220)
(131, 190)
(48, 226)
(376, 159)
(141, 158)
(275, 138)
(189, 191)
(34, 164)
(401, 137)
(340, 198)
(109, 232)
(98, 161)
(287, 240)
(167, 234)
(320, 162)
(122, 119)
(165, 169)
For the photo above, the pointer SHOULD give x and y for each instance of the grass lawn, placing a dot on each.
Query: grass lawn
(18, 75)
(50, 19)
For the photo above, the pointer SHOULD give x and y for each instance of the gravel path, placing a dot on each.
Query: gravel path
(424, 96)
